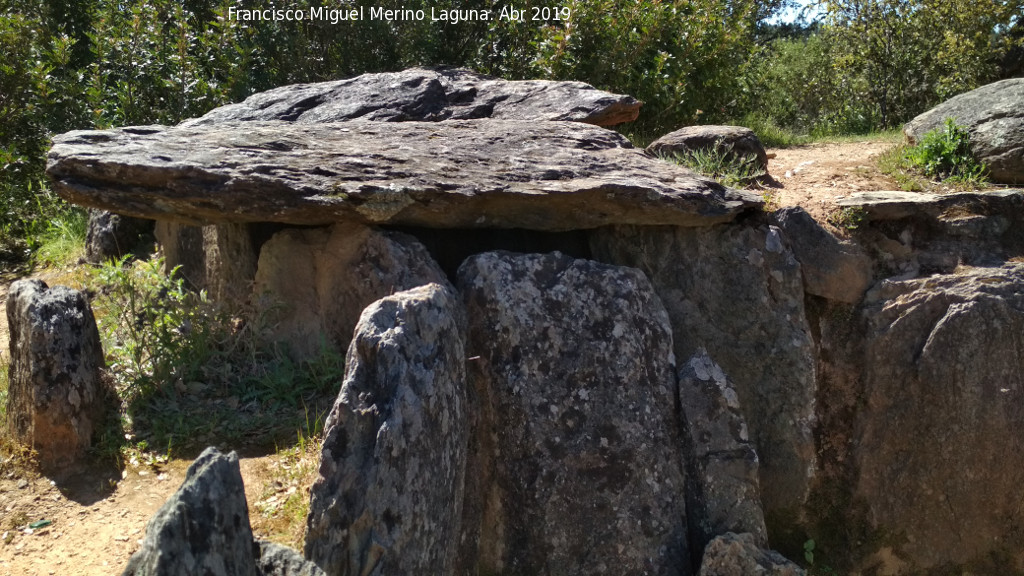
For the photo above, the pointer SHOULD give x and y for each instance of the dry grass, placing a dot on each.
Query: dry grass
(282, 504)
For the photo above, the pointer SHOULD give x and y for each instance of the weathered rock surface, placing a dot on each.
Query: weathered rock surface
(831, 268)
(893, 205)
(733, 141)
(277, 560)
(740, 555)
(56, 391)
(203, 528)
(388, 497)
(319, 280)
(220, 258)
(111, 236)
(911, 234)
(420, 94)
(459, 174)
(940, 451)
(737, 292)
(723, 471)
(576, 456)
(994, 117)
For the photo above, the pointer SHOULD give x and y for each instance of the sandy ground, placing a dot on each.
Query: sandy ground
(98, 519)
(816, 176)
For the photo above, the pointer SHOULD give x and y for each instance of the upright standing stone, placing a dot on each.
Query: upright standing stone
(111, 236)
(203, 529)
(576, 467)
(939, 449)
(736, 291)
(321, 279)
(388, 500)
(724, 465)
(56, 392)
(219, 258)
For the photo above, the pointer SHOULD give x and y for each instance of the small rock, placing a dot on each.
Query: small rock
(733, 141)
(739, 555)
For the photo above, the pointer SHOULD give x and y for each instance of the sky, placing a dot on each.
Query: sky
(790, 14)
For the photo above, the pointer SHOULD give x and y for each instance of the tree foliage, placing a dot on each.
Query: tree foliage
(905, 56)
(71, 64)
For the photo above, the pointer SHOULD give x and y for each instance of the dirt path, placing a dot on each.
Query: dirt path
(816, 176)
(97, 521)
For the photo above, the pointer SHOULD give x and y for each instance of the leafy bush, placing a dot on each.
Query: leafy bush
(902, 57)
(684, 59)
(771, 134)
(186, 367)
(945, 153)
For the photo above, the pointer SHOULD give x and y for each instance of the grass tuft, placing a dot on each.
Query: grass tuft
(723, 165)
(945, 154)
(941, 160)
(63, 241)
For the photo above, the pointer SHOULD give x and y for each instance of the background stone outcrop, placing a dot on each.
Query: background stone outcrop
(994, 118)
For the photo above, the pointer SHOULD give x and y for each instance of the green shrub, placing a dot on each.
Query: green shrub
(773, 135)
(188, 369)
(849, 218)
(945, 153)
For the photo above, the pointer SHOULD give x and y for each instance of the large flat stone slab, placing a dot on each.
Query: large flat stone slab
(896, 204)
(421, 94)
(458, 174)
